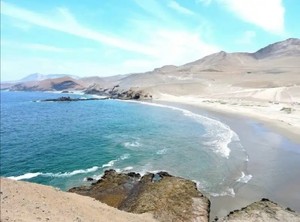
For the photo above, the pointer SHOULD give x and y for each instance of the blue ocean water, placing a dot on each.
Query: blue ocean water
(62, 143)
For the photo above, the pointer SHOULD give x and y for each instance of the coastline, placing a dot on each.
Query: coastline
(250, 129)
(273, 151)
(287, 124)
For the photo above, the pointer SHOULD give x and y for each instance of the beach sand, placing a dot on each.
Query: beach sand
(273, 157)
(283, 117)
(23, 201)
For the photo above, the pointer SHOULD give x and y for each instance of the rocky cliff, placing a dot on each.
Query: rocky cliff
(171, 198)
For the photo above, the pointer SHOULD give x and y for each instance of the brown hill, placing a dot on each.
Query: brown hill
(279, 60)
(58, 84)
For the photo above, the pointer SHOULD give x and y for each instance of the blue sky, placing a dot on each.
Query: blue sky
(94, 37)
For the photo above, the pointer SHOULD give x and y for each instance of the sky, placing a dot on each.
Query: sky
(103, 38)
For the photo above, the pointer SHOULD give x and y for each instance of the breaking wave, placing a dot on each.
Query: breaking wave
(132, 144)
(111, 163)
(66, 174)
(218, 134)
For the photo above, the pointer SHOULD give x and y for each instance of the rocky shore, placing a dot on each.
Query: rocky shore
(263, 210)
(103, 95)
(170, 198)
(167, 197)
(134, 93)
(69, 99)
(152, 197)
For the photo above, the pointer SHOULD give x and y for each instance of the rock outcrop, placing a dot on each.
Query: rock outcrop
(167, 197)
(116, 93)
(69, 99)
(261, 211)
(131, 94)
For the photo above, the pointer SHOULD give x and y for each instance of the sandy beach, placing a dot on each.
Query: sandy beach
(282, 117)
(270, 138)
(23, 201)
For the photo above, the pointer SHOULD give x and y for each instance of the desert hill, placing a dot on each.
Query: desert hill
(57, 84)
(220, 75)
(40, 77)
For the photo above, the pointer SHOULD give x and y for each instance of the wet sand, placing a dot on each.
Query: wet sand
(274, 163)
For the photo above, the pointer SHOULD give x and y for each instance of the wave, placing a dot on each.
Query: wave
(244, 178)
(66, 174)
(25, 176)
(98, 97)
(125, 156)
(109, 164)
(162, 151)
(112, 162)
(218, 134)
(132, 144)
(127, 168)
(228, 192)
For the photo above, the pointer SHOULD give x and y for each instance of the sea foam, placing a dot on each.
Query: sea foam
(112, 162)
(218, 134)
(244, 178)
(25, 176)
(227, 192)
(60, 174)
(132, 144)
(162, 151)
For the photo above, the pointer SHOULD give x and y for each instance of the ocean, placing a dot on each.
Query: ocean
(62, 143)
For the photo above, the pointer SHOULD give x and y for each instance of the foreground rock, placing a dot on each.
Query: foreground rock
(168, 198)
(264, 210)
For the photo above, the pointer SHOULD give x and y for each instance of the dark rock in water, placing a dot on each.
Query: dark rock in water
(111, 189)
(164, 174)
(133, 174)
(89, 179)
(69, 99)
(263, 210)
(168, 199)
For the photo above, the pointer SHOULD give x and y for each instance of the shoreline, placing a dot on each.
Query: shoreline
(254, 190)
(266, 113)
(273, 160)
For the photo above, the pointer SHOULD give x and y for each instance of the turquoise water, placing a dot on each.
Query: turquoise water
(62, 143)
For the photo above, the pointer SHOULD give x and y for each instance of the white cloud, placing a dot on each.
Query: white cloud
(267, 14)
(180, 46)
(33, 46)
(22, 25)
(247, 37)
(174, 5)
(67, 23)
(173, 48)
(157, 43)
